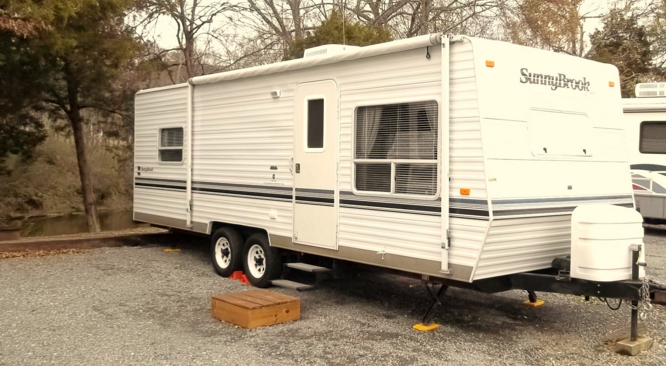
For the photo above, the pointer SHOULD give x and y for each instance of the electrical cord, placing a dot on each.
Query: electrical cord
(619, 304)
(604, 299)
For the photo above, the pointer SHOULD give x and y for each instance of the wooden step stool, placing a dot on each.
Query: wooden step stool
(256, 308)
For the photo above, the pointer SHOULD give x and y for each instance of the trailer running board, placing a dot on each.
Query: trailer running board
(307, 267)
(320, 273)
(292, 285)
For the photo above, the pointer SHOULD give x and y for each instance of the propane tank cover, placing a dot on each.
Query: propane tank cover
(601, 239)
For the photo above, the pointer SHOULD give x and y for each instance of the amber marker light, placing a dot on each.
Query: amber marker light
(490, 63)
(464, 191)
(611, 84)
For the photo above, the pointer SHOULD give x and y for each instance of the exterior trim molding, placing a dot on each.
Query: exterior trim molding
(392, 261)
(180, 224)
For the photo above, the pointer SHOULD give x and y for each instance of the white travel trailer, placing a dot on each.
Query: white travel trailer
(645, 119)
(456, 159)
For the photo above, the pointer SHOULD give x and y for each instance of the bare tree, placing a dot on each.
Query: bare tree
(288, 21)
(380, 12)
(193, 19)
(445, 16)
(559, 25)
(285, 21)
(658, 35)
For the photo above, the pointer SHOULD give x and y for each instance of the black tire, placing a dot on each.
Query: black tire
(234, 256)
(271, 259)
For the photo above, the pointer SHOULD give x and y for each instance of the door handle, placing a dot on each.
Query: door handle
(298, 168)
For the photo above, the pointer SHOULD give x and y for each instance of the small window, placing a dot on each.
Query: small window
(395, 149)
(315, 124)
(642, 182)
(657, 188)
(171, 145)
(653, 138)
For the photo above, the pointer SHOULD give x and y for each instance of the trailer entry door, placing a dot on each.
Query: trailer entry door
(315, 157)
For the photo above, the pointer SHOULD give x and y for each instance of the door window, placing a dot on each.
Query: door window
(315, 125)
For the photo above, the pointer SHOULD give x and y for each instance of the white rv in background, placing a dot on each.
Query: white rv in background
(454, 159)
(645, 119)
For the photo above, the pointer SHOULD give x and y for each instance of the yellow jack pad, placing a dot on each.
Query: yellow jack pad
(537, 304)
(425, 328)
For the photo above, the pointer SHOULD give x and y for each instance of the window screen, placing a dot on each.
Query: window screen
(395, 149)
(653, 138)
(315, 123)
(171, 144)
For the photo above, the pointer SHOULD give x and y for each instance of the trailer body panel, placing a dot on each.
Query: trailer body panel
(376, 189)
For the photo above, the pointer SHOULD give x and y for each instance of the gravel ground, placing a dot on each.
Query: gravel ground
(145, 306)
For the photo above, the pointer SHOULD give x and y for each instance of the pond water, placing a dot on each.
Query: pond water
(76, 224)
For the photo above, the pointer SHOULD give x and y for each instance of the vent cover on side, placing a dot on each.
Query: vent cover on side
(650, 90)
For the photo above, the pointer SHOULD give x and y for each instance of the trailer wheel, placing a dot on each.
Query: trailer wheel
(261, 262)
(226, 249)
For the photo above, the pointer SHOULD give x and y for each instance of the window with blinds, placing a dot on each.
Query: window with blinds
(653, 138)
(395, 149)
(171, 145)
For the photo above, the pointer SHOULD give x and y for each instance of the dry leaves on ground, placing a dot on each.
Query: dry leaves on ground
(38, 253)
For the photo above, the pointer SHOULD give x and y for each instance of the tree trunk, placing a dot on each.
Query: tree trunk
(296, 16)
(84, 171)
(76, 120)
(189, 55)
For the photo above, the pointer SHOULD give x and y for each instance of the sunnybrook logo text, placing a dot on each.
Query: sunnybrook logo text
(559, 81)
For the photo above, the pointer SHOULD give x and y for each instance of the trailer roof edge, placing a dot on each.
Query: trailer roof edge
(638, 105)
(367, 51)
(174, 86)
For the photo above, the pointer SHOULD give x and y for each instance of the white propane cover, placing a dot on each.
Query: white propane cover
(601, 237)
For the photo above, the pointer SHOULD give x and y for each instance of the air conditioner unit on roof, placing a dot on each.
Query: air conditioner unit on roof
(327, 50)
(650, 90)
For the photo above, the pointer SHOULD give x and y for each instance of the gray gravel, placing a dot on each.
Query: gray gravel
(144, 306)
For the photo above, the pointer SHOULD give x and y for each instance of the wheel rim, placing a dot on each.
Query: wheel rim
(256, 261)
(223, 253)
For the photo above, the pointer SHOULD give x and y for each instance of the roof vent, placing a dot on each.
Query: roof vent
(327, 50)
(650, 90)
